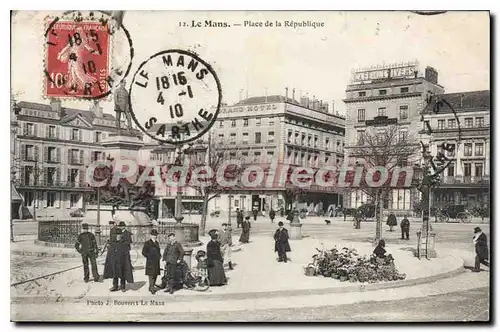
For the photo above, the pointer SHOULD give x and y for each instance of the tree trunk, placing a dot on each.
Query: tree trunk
(203, 222)
(378, 219)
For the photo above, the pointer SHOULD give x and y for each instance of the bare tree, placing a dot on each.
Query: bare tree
(388, 147)
(217, 153)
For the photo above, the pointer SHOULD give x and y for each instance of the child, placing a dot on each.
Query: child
(202, 267)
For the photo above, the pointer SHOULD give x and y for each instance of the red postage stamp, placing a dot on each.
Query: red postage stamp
(77, 59)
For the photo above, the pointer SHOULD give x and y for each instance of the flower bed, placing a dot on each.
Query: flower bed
(347, 265)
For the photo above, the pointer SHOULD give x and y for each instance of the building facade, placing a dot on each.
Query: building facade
(53, 146)
(467, 180)
(257, 131)
(387, 95)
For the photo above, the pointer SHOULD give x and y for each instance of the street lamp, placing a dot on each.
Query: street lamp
(230, 197)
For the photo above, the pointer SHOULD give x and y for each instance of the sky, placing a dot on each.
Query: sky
(253, 60)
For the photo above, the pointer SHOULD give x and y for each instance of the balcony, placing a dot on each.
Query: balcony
(466, 180)
(75, 161)
(48, 184)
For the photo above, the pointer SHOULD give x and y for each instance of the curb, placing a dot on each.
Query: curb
(253, 295)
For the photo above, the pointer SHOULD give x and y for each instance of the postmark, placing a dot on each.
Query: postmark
(87, 55)
(175, 96)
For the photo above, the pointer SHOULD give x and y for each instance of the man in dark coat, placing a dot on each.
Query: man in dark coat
(255, 212)
(481, 243)
(172, 256)
(152, 252)
(272, 215)
(239, 218)
(86, 245)
(118, 264)
(245, 231)
(281, 244)
(405, 228)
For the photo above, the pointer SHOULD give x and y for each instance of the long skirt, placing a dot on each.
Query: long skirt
(216, 274)
(245, 236)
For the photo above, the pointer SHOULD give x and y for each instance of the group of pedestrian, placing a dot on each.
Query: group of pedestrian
(405, 225)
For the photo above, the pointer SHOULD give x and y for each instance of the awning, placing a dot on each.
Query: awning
(14, 195)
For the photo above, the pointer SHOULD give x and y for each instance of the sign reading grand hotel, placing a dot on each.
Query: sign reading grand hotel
(400, 70)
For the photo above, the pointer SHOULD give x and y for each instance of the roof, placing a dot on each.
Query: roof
(66, 112)
(14, 195)
(268, 99)
(462, 101)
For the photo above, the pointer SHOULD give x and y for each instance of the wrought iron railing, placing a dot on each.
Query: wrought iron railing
(466, 179)
(67, 231)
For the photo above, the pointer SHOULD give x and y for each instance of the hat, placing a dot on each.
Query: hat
(154, 232)
(171, 234)
(247, 217)
(122, 223)
(280, 223)
(224, 224)
(85, 226)
(477, 230)
(111, 222)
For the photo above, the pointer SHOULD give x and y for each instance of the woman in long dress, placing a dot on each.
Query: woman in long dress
(245, 230)
(215, 263)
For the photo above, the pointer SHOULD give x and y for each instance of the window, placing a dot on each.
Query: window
(73, 156)
(327, 143)
(404, 90)
(360, 137)
(270, 153)
(245, 138)
(479, 149)
(381, 136)
(51, 175)
(51, 199)
(478, 170)
(51, 154)
(362, 94)
(232, 138)
(221, 124)
(271, 121)
(270, 137)
(73, 200)
(256, 153)
(258, 121)
(467, 169)
(303, 141)
(51, 132)
(403, 112)
(221, 137)
(245, 122)
(468, 149)
(244, 154)
(327, 159)
(480, 122)
(30, 129)
(451, 170)
(382, 92)
(29, 152)
(232, 154)
(469, 122)
(382, 111)
(75, 135)
(440, 124)
(258, 138)
(73, 175)
(233, 123)
(451, 153)
(452, 123)
(28, 172)
(97, 155)
(98, 136)
(29, 198)
(361, 115)
(402, 135)
(309, 138)
(236, 203)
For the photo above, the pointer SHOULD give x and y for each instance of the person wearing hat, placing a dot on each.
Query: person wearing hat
(118, 264)
(245, 230)
(86, 245)
(226, 241)
(151, 250)
(281, 245)
(173, 255)
(481, 244)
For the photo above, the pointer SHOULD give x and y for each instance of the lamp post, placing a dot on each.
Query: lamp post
(425, 236)
(179, 229)
(230, 197)
(98, 226)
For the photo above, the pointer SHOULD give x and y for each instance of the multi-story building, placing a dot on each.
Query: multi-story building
(385, 95)
(53, 147)
(466, 180)
(259, 129)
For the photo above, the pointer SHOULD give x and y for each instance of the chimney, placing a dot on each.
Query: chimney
(307, 99)
(462, 101)
(55, 104)
(293, 93)
(286, 94)
(241, 92)
(314, 102)
(333, 106)
(97, 109)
